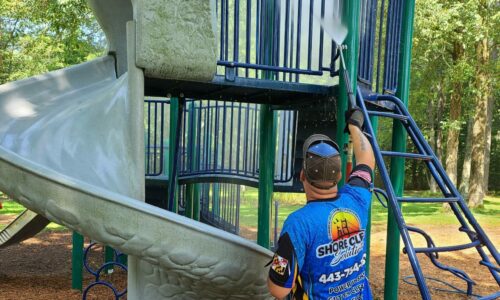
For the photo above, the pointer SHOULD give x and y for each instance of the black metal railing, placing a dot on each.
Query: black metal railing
(219, 138)
(282, 36)
(379, 44)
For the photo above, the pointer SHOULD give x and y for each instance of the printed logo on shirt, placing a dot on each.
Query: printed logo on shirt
(346, 234)
(279, 264)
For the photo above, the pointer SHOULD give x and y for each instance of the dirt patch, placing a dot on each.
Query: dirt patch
(6, 219)
(40, 268)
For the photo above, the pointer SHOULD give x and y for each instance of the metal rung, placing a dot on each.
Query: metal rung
(406, 155)
(490, 297)
(435, 200)
(448, 248)
(489, 265)
(387, 115)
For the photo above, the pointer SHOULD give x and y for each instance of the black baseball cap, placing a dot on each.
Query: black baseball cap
(321, 161)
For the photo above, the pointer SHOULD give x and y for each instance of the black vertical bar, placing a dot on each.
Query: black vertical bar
(310, 34)
(231, 130)
(321, 37)
(299, 35)
(236, 48)
(216, 137)
(248, 33)
(245, 149)
(172, 181)
(292, 29)
(162, 124)
(222, 29)
(149, 138)
(258, 36)
(379, 54)
(226, 50)
(154, 136)
(255, 145)
(276, 36)
(223, 144)
(238, 140)
(286, 37)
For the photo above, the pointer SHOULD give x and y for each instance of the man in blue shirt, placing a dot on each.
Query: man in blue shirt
(321, 252)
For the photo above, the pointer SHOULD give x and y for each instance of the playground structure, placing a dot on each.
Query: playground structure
(259, 73)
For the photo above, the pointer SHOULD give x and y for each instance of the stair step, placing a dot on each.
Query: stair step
(406, 155)
(490, 265)
(387, 115)
(490, 297)
(448, 248)
(430, 200)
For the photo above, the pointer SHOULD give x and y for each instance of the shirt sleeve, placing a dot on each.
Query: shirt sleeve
(361, 176)
(289, 256)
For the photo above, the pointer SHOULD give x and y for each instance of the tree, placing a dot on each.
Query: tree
(38, 36)
(483, 93)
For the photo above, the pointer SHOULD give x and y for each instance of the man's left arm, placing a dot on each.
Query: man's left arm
(284, 268)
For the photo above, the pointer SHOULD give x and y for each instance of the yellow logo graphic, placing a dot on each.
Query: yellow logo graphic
(346, 235)
(343, 224)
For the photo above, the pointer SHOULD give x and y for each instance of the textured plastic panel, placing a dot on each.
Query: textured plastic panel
(176, 39)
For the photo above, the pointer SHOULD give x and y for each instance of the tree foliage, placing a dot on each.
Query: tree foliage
(445, 66)
(37, 36)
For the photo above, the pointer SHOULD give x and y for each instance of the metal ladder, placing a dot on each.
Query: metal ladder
(388, 106)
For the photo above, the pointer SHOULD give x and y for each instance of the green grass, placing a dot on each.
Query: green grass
(414, 213)
(13, 209)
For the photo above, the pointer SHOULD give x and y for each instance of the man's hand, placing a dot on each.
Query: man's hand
(362, 147)
(355, 117)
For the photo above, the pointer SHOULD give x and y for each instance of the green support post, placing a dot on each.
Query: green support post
(77, 261)
(109, 256)
(399, 144)
(267, 154)
(267, 150)
(174, 117)
(350, 18)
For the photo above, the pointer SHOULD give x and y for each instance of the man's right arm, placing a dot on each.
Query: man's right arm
(362, 148)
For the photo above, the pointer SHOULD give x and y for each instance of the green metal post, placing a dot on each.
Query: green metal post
(266, 173)
(267, 143)
(350, 18)
(196, 204)
(174, 117)
(109, 256)
(77, 262)
(399, 144)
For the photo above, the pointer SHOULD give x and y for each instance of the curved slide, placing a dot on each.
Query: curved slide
(65, 155)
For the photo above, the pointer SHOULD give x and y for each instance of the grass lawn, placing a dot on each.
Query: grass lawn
(12, 208)
(414, 213)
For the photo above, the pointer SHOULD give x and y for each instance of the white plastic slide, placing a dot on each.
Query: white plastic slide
(65, 155)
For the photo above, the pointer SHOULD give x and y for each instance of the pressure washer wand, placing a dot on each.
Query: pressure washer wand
(347, 81)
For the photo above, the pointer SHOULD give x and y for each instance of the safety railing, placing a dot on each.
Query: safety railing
(218, 139)
(222, 138)
(379, 44)
(220, 205)
(282, 37)
(156, 129)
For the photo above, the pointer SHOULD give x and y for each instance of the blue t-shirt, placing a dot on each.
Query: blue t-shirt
(328, 240)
